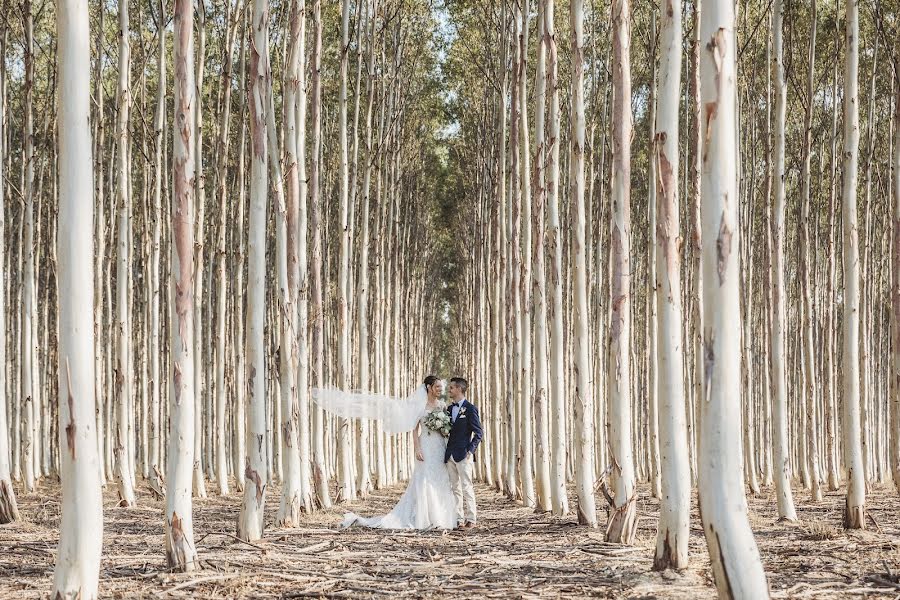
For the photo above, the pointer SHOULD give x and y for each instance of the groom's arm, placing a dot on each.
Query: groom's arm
(477, 432)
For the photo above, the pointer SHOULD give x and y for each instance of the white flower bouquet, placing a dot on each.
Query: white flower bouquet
(438, 421)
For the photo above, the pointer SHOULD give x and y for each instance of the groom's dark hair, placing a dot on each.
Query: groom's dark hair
(462, 383)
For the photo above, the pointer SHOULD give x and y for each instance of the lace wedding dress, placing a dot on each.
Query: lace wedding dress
(428, 502)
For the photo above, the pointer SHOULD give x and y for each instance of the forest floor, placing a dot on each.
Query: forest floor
(514, 553)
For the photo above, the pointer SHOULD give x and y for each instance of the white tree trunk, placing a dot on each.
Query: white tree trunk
(287, 232)
(736, 563)
(317, 350)
(250, 521)
(199, 246)
(525, 398)
(81, 527)
(894, 370)
(9, 510)
(364, 482)
(302, 274)
(807, 264)
(346, 484)
(623, 518)
(584, 403)
(124, 473)
(221, 458)
(181, 554)
(779, 321)
(854, 509)
(539, 278)
(159, 125)
(675, 474)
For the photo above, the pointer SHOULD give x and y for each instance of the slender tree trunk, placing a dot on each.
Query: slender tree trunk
(81, 528)
(124, 398)
(320, 475)
(346, 484)
(159, 125)
(9, 510)
(806, 263)
(199, 247)
(240, 358)
(854, 509)
(651, 313)
(675, 473)
(622, 525)
(697, 393)
(736, 565)
(539, 285)
(250, 521)
(364, 482)
(302, 273)
(286, 220)
(584, 402)
(526, 399)
(894, 378)
(779, 296)
(181, 554)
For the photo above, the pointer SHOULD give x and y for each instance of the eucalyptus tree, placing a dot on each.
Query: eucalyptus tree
(584, 405)
(124, 356)
(675, 496)
(854, 509)
(622, 525)
(736, 564)
(77, 570)
(181, 553)
(250, 521)
(779, 297)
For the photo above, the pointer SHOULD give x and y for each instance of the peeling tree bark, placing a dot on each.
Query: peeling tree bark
(675, 474)
(181, 554)
(250, 521)
(622, 525)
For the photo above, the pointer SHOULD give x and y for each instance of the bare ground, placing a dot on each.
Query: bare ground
(514, 553)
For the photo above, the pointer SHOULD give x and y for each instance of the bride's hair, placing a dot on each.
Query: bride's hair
(430, 381)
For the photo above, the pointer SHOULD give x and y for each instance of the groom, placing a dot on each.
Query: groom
(465, 435)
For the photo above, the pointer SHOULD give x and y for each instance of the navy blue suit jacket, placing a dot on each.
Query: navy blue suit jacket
(466, 432)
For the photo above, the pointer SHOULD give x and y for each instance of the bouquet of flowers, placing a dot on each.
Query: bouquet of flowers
(438, 421)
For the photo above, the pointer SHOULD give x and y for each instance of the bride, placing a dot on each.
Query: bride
(428, 502)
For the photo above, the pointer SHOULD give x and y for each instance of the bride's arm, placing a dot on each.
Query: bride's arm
(417, 443)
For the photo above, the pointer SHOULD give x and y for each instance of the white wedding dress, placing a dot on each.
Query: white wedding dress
(428, 502)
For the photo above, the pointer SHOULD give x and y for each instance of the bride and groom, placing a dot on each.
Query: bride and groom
(441, 492)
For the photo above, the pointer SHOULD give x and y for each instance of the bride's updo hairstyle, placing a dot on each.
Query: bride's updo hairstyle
(430, 381)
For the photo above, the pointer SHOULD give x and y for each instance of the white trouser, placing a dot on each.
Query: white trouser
(461, 481)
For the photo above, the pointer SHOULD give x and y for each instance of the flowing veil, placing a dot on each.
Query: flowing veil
(397, 415)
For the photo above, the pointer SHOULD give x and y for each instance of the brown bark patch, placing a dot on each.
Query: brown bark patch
(70, 428)
(619, 293)
(723, 247)
(253, 476)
